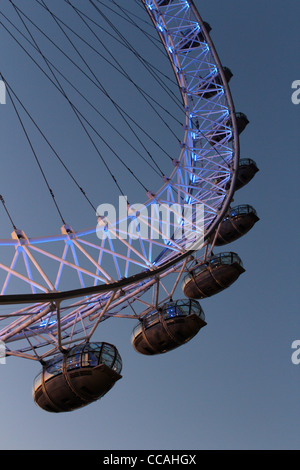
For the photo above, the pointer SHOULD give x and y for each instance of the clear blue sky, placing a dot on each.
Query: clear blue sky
(234, 385)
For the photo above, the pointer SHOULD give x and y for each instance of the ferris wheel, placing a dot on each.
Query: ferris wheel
(58, 288)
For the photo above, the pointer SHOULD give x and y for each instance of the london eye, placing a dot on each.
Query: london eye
(132, 124)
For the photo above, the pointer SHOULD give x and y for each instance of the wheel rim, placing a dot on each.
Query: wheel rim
(200, 174)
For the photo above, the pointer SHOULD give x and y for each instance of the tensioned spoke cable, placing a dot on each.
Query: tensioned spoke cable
(7, 212)
(60, 85)
(126, 42)
(80, 55)
(203, 135)
(82, 96)
(138, 3)
(130, 47)
(175, 98)
(199, 130)
(122, 71)
(113, 36)
(137, 55)
(119, 69)
(154, 41)
(126, 75)
(43, 135)
(32, 148)
(79, 116)
(164, 152)
(53, 150)
(97, 85)
(133, 15)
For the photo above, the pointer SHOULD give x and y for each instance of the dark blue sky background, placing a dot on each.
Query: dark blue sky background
(234, 385)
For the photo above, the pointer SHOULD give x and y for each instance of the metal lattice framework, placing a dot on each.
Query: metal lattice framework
(113, 273)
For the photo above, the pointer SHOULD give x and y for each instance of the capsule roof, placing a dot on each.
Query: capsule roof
(212, 275)
(165, 329)
(80, 376)
(237, 223)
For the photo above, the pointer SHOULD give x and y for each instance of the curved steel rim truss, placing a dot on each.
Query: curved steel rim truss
(112, 274)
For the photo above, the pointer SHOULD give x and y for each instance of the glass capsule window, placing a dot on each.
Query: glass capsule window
(246, 162)
(169, 310)
(243, 209)
(53, 368)
(196, 309)
(117, 366)
(110, 357)
(217, 260)
(179, 308)
(225, 258)
(151, 318)
(93, 354)
(73, 359)
(38, 381)
(87, 355)
(107, 356)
